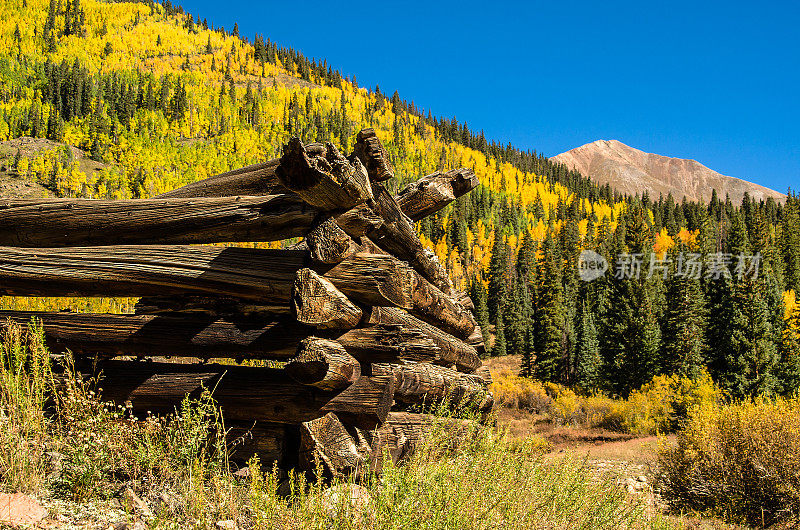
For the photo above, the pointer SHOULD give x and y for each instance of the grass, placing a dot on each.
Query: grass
(492, 480)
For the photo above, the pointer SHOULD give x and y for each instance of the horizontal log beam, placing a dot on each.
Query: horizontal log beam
(431, 193)
(181, 335)
(390, 343)
(453, 350)
(257, 179)
(263, 275)
(208, 336)
(85, 222)
(434, 307)
(244, 393)
(423, 383)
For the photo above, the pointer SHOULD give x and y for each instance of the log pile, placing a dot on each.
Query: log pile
(366, 320)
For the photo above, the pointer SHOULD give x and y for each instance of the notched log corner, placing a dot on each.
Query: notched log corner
(328, 182)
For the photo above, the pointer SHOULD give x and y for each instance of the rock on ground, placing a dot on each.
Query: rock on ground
(17, 509)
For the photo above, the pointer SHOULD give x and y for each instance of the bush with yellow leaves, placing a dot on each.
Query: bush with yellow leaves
(513, 391)
(657, 407)
(740, 462)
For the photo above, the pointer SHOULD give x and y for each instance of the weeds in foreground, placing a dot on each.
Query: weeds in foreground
(487, 481)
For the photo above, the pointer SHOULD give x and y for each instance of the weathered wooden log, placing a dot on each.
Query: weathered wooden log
(389, 343)
(476, 341)
(208, 336)
(263, 275)
(328, 243)
(324, 364)
(318, 303)
(419, 383)
(270, 442)
(83, 222)
(398, 237)
(327, 445)
(431, 193)
(403, 433)
(181, 335)
(370, 151)
(253, 274)
(214, 306)
(453, 351)
(373, 279)
(463, 299)
(434, 307)
(484, 373)
(328, 182)
(365, 403)
(243, 393)
(359, 221)
(258, 179)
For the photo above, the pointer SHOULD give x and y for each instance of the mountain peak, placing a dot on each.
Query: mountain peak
(630, 170)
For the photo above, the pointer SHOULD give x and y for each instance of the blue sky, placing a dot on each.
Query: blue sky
(715, 81)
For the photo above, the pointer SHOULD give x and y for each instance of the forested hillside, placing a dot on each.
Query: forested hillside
(162, 98)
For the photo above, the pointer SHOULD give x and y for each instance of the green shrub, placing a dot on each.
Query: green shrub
(740, 462)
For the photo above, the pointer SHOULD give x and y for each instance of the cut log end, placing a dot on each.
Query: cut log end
(324, 364)
(317, 302)
(328, 243)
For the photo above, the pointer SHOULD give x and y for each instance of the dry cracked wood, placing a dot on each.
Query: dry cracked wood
(258, 179)
(327, 182)
(328, 243)
(208, 336)
(374, 279)
(404, 432)
(434, 307)
(201, 336)
(324, 364)
(430, 384)
(244, 393)
(370, 151)
(453, 351)
(318, 303)
(262, 275)
(389, 343)
(431, 193)
(398, 237)
(327, 444)
(365, 403)
(84, 222)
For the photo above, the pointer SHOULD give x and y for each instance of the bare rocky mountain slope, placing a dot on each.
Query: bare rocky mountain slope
(631, 171)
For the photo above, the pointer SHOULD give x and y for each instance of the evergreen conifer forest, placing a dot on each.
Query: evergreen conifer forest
(159, 98)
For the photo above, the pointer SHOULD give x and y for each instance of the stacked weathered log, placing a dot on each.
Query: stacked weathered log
(366, 317)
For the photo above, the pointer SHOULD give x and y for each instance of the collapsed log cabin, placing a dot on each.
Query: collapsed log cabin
(370, 328)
